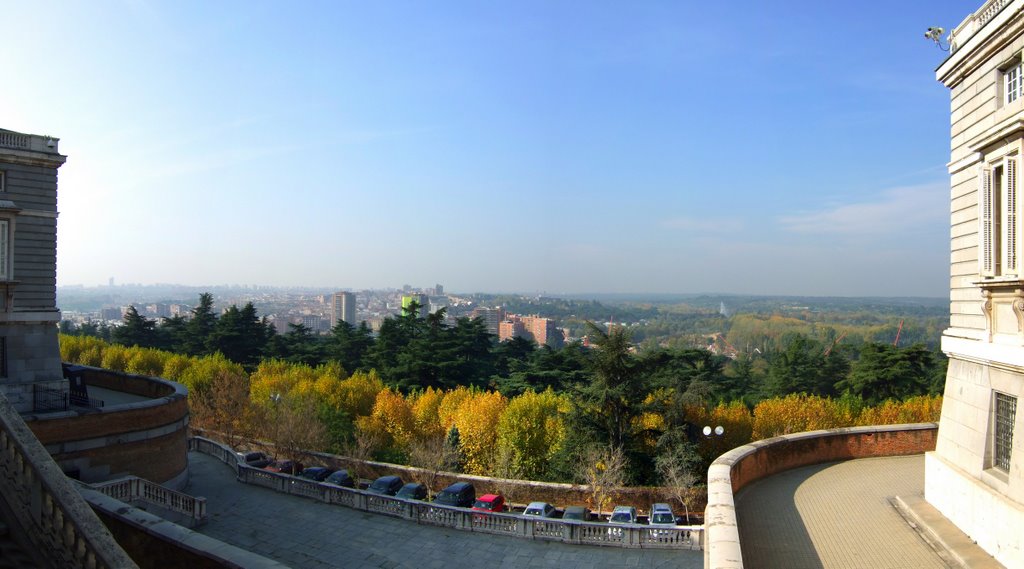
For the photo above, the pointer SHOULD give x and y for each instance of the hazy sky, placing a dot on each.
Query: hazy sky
(748, 147)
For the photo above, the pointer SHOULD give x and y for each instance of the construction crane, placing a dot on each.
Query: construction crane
(837, 340)
(898, 330)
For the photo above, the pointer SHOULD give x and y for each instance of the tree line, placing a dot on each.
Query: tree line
(423, 391)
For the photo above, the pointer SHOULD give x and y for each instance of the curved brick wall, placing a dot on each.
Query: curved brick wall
(148, 439)
(743, 465)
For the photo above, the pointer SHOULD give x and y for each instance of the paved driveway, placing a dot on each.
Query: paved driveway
(304, 533)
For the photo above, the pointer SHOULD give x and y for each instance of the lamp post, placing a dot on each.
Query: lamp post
(714, 435)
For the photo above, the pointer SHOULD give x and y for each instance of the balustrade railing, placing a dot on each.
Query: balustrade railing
(133, 489)
(63, 529)
(14, 140)
(590, 533)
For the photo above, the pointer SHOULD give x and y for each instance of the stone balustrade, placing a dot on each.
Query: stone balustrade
(973, 24)
(62, 528)
(132, 489)
(587, 533)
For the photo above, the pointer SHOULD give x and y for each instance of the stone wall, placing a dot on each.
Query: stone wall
(148, 439)
(155, 543)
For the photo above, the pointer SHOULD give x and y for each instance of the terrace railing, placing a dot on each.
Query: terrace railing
(133, 489)
(587, 533)
(62, 528)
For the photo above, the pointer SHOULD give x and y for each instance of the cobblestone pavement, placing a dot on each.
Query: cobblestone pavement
(834, 515)
(304, 533)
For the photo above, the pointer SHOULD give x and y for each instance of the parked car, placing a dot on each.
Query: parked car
(413, 491)
(254, 459)
(662, 515)
(316, 473)
(460, 494)
(623, 515)
(539, 510)
(576, 514)
(284, 467)
(490, 503)
(341, 478)
(386, 485)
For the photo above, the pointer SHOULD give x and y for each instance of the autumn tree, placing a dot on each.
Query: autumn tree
(603, 470)
(531, 430)
(477, 421)
(224, 409)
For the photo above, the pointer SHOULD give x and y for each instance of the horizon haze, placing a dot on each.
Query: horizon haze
(793, 149)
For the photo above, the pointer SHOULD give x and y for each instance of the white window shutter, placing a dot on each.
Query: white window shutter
(986, 255)
(1011, 230)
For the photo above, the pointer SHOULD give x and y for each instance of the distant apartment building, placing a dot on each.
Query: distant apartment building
(29, 354)
(512, 328)
(343, 308)
(975, 476)
(540, 330)
(112, 313)
(159, 310)
(316, 323)
(420, 299)
(492, 317)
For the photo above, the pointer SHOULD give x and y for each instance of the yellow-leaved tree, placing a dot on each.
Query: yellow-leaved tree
(531, 429)
(477, 421)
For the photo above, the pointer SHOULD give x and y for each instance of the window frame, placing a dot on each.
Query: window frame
(1000, 217)
(1013, 87)
(1004, 416)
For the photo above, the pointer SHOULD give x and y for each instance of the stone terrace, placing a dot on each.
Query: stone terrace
(304, 533)
(834, 515)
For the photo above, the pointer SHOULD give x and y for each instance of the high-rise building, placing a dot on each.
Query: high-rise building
(975, 476)
(343, 307)
(419, 299)
(492, 317)
(29, 354)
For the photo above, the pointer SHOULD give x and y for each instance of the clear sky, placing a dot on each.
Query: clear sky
(747, 147)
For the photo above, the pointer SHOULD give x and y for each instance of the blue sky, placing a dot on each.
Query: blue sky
(739, 147)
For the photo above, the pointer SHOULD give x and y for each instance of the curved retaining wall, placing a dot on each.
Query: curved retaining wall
(148, 439)
(743, 465)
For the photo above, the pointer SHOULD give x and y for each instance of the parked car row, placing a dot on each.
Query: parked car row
(459, 494)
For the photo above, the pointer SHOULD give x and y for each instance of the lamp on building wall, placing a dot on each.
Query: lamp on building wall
(935, 34)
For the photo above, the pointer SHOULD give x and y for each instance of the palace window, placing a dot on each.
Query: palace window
(1013, 83)
(1005, 414)
(5, 249)
(1000, 219)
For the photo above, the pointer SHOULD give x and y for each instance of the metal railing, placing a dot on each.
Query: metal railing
(585, 533)
(48, 399)
(134, 489)
(62, 528)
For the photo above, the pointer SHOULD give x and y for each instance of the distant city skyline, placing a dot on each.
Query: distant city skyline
(745, 148)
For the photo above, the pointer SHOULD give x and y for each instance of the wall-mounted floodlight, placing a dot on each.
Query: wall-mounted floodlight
(935, 34)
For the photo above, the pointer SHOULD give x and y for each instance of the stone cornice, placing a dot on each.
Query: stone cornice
(26, 158)
(981, 46)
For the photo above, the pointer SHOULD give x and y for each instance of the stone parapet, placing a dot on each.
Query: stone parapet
(146, 438)
(60, 525)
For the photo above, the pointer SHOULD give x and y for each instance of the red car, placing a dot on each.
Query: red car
(490, 503)
(284, 467)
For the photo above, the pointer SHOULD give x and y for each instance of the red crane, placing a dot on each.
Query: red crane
(898, 330)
